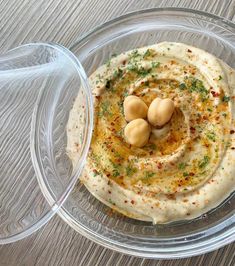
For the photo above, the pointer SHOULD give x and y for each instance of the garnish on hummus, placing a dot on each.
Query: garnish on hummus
(162, 148)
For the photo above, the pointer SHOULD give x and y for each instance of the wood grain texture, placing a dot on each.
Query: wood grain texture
(64, 21)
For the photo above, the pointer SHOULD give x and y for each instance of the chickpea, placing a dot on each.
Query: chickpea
(137, 132)
(160, 111)
(134, 108)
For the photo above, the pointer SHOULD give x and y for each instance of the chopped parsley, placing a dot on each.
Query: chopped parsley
(121, 107)
(220, 77)
(185, 174)
(146, 83)
(148, 175)
(118, 73)
(143, 71)
(111, 202)
(125, 94)
(152, 146)
(95, 172)
(132, 67)
(116, 173)
(155, 64)
(204, 162)
(116, 169)
(211, 135)
(130, 170)
(227, 144)
(224, 114)
(182, 166)
(134, 54)
(226, 99)
(182, 86)
(193, 84)
(147, 54)
(104, 109)
(139, 70)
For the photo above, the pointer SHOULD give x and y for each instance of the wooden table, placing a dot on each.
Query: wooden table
(63, 21)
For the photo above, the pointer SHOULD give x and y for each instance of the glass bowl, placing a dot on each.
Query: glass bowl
(36, 81)
(87, 215)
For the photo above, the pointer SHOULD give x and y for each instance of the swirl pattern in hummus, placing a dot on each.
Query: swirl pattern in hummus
(187, 167)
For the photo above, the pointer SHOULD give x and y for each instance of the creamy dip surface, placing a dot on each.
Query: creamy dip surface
(188, 166)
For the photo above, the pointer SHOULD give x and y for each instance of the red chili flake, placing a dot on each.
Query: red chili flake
(204, 117)
(159, 165)
(124, 62)
(132, 202)
(112, 124)
(215, 94)
(108, 175)
(232, 131)
(171, 196)
(185, 72)
(95, 171)
(189, 51)
(233, 148)
(193, 203)
(109, 192)
(125, 201)
(191, 174)
(188, 213)
(192, 130)
(151, 153)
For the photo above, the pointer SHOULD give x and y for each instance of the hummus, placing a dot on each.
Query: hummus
(188, 166)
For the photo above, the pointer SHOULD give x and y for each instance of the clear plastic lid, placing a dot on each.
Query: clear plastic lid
(38, 85)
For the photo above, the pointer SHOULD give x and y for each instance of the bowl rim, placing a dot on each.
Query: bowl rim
(208, 245)
(150, 10)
